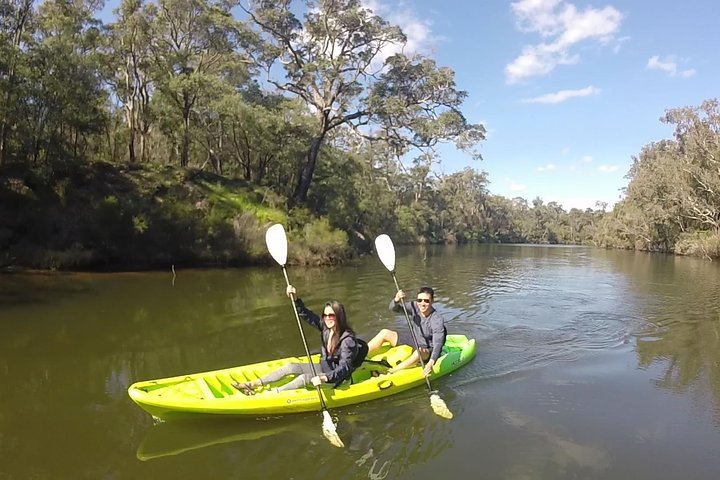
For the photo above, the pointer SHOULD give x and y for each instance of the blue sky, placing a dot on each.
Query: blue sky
(568, 91)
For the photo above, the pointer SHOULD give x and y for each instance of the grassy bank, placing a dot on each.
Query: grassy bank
(100, 216)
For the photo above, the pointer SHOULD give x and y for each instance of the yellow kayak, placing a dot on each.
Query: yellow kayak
(211, 393)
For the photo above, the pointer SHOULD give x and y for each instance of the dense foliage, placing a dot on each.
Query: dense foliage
(178, 130)
(672, 203)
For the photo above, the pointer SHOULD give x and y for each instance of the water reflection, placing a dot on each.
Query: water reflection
(71, 344)
(683, 337)
(382, 441)
(174, 438)
(565, 453)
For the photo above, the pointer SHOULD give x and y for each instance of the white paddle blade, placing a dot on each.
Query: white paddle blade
(329, 430)
(439, 407)
(386, 251)
(276, 241)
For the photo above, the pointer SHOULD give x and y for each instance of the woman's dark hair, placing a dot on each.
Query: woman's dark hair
(340, 321)
(340, 317)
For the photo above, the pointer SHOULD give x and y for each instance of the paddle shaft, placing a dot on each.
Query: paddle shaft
(412, 332)
(302, 335)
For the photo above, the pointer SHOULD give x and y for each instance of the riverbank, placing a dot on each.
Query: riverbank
(99, 216)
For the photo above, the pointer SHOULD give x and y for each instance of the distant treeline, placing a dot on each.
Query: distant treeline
(185, 126)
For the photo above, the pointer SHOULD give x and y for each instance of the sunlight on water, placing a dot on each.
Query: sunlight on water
(531, 309)
(589, 363)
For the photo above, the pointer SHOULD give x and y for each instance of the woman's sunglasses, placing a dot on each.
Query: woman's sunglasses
(328, 315)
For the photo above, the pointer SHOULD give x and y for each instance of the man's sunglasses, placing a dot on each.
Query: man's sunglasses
(423, 300)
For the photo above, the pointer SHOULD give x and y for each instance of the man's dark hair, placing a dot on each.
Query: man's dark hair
(428, 290)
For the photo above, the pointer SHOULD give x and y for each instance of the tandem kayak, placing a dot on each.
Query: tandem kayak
(211, 393)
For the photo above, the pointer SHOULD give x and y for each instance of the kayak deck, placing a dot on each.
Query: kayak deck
(212, 393)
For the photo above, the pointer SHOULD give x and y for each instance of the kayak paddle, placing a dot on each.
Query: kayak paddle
(386, 251)
(276, 241)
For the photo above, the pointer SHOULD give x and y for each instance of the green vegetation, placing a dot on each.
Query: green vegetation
(672, 203)
(178, 132)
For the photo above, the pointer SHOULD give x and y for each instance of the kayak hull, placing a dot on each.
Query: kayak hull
(211, 393)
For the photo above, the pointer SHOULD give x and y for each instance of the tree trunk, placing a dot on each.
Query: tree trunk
(131, 146)
(303, 185)
(3, 135)
(130, 109)
(142, 147)
(185, 148)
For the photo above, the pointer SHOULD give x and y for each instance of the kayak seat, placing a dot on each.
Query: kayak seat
(397, 354)
(225, 383)
(204, 389)
(380, 362)
(214, 385)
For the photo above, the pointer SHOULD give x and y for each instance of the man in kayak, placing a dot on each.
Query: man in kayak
(427, 324)
(342, 351)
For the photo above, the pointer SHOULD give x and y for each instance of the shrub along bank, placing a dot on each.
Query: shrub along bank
(100, 216)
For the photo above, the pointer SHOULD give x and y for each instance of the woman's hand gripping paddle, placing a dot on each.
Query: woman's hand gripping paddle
(386, 251)
(276, 241)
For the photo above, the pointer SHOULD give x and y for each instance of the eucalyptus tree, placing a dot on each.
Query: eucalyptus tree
(196, 51)
(336, 61)
(66, 97)
(556, 223)
(131, 82)
(501, 220)
(656, 193)
(15, 18)
(463, 195)
(523, 218)
(372, 183)
(582, 225)
(264, 136)
(697, 132)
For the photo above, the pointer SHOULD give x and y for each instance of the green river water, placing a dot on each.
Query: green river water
(591, 364)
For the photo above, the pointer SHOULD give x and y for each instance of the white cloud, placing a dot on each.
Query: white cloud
(536, 16)
(619, 42)
(668, 65)
(548, 167)
(563, 26)
(563, 95)
(565, 150)
(514, 186)
(607, 168)
(587, 158)
(418, 32)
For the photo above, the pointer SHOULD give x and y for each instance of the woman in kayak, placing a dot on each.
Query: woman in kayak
(428, 326)
(342, 351)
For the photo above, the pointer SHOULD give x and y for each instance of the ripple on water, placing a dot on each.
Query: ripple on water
(509, 349)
